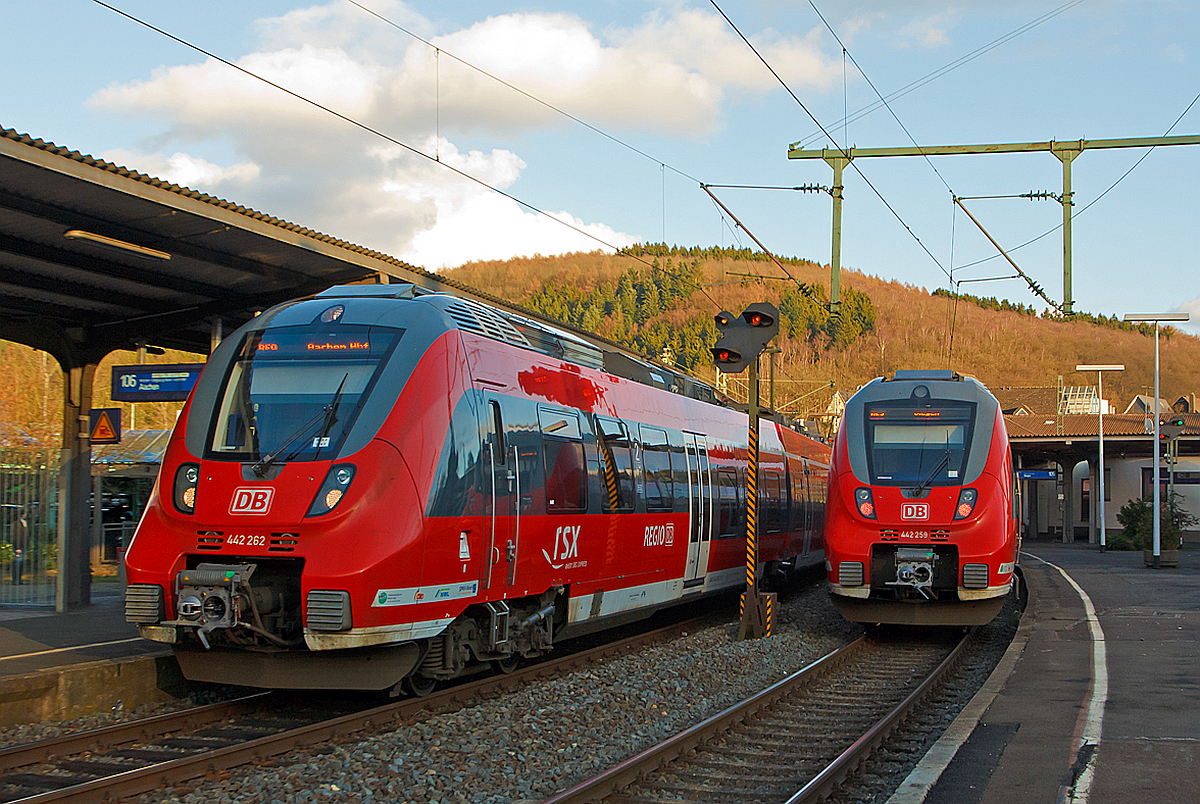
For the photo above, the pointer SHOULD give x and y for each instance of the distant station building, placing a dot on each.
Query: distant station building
(1055, 437)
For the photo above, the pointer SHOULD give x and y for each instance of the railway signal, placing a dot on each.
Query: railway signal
(740, 339)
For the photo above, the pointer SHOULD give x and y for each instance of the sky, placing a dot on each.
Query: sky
(664, 96)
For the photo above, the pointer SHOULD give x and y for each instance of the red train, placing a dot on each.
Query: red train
(921, 524)
(383, 485)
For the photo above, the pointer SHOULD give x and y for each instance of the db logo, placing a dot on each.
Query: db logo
(251, 501)
(914, 511)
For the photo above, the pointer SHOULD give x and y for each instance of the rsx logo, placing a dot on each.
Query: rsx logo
(251, 500)
(914, 511)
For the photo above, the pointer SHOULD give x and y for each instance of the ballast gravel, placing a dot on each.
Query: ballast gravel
(527, 745)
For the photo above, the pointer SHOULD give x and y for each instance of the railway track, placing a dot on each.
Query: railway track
(140, 756)
(793, 742)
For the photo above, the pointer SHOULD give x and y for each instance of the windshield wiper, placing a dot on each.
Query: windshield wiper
(917, 489)
(328, 413)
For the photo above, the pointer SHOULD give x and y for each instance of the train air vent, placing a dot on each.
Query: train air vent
(975, 576)
(328, 610)
(210, 540)
(889, 535)
(143, 603)
(939, 534)
(283, 542)
(850, 573)
(482, 321)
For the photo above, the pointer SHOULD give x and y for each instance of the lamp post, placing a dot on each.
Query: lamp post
(1156, 318)
(1100, 369)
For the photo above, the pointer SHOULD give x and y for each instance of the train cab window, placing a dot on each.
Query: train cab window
(616, 464)
(656, 464)
(566, 470)
(729, 516)
(911, 443)
(295, 392)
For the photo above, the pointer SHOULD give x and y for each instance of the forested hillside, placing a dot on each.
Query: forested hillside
(885, 325)
(653, 297)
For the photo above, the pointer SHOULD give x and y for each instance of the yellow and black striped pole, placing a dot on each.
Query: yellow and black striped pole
(751, 622)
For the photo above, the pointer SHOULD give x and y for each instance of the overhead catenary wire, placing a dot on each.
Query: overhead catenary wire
(364, 127)
(878, 94)
(842, 151)
(947, 68)
(524, 93)
(1107, 190)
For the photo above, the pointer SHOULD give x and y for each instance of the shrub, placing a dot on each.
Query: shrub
(1137, 517)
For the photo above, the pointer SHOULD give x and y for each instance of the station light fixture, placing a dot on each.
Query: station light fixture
(115, 244)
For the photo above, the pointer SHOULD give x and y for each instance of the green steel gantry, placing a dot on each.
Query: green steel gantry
(839, 158)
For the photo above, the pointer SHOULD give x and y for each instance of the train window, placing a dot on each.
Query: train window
(772, 502)
(499, 451)
(566, 470)
(729, 521)
(656, 464)
(616, 459)
(918, 443)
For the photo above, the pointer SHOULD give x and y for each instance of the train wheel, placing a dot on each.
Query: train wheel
(506, 665)
(419, 686)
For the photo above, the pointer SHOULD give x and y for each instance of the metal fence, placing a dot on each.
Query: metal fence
(28, 525)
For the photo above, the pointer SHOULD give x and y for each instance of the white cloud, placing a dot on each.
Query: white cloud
(929, 33)
(1175, 53)
(671, 74)
(189, 171)
(1192, 326)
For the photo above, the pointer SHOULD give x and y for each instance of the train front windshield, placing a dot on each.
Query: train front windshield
(918, 443)
(294, 392)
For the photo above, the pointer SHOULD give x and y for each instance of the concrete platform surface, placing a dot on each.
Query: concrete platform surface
(1099, 707)
(59, 666)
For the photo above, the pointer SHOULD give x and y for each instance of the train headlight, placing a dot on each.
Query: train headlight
(966, 503)
(187, 477)
(333, 489)
(864, 501)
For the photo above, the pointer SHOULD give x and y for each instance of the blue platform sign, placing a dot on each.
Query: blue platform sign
(154, 382)
(1037, 474)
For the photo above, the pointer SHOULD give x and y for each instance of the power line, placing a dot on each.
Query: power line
(863, 73)
(365, 127)
(525, 94)
(947, 68)
(843, 151)
(1109, 189)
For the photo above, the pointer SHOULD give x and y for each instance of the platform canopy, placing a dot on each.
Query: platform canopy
(95, 257)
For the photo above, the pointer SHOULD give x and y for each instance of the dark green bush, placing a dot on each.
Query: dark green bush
(1137, 517)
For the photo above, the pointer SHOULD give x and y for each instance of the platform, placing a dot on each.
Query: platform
(1101, 708)
(59, 666)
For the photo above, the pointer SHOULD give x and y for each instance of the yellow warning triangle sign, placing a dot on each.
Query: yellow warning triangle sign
(104, 430)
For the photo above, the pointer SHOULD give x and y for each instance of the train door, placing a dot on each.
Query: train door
(805, 489)
(500, 527)
(700, 508)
